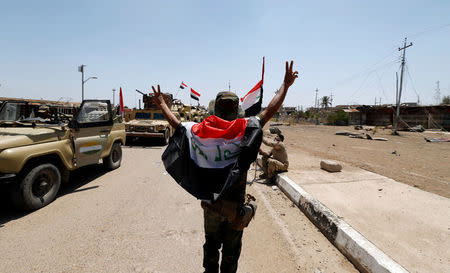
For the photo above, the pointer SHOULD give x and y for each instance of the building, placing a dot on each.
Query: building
(430, 117)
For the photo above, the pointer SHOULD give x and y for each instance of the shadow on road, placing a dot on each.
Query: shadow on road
(146, 143)
(78, 179)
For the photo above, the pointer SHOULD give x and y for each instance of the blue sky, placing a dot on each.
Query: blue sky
(348, 48)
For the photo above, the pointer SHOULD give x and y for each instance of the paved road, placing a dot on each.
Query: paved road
(136, 219)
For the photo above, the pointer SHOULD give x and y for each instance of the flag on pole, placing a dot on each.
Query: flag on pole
(251, 102)
(195, 95)
(207, 159)
(183, 85)
(121, 101)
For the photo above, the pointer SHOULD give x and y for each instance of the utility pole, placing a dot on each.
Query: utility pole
(229, 86)
(331, 100)
(114, 97)
(401, 85)
(316, 102)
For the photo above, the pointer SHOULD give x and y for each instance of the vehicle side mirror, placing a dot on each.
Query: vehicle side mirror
(74, 125)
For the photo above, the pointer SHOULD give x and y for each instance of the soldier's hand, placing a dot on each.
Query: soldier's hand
(157, 98)
(289, 76)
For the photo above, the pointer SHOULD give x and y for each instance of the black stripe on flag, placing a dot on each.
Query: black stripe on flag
(255, 108)
(194, 97)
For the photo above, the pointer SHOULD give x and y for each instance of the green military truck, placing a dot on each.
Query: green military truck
(37, 154)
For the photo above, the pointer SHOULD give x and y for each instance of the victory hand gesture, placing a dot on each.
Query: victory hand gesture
(157, 98)
(290, 76)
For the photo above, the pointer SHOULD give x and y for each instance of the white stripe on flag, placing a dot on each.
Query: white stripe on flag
(212, 153)
(251, 99)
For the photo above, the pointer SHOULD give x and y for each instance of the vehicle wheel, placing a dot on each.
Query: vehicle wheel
(166, 136)
(113, 160)
(38, 187)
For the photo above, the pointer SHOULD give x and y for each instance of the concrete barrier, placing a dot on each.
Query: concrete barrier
(360, 251)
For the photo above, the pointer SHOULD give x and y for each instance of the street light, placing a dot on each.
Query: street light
(83, 81)
(114, 97)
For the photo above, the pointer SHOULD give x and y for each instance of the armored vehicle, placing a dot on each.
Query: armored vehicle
(38, 153)
(150, 121)
(198, 114)
(182, 111)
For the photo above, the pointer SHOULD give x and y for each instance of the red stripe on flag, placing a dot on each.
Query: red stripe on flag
(256, 87)
(183, 84)
(215, 127)
(193, 91)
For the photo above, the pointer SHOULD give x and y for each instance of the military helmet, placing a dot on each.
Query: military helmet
(226, 105)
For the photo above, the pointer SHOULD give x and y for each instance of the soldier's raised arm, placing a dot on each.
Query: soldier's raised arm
(277, 100)
(158, 99)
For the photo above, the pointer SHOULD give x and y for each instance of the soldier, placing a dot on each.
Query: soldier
(220, 231)
(276, 160)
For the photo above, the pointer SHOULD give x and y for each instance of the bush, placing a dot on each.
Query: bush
(338, 118)
(445, 100)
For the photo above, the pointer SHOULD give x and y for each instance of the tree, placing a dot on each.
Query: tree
(446, 100)
(338, 118)
(325, 101)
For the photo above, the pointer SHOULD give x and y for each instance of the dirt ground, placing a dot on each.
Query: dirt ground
(407, 158)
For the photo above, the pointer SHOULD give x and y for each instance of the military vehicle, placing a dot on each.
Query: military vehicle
(37, 153)
(198, 113)
(189, 113)
(150, 121)
(184, 111)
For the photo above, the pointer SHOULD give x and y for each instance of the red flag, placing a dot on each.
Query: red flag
(121, 101)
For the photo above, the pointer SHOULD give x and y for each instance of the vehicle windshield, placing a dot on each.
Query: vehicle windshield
(14, 111)
(34, 113)
(93, 111)
(158, 116)
(141, 115)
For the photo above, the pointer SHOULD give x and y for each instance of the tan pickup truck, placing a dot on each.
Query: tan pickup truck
(37, 154)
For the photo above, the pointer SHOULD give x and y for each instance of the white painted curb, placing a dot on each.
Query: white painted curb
(360, 251)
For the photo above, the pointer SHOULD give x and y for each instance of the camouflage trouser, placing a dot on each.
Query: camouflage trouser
(218, 232)
(271, 166)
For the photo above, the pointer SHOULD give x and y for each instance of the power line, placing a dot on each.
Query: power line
(387, 65)
(417, 34)
(411, 80)
(368, 69)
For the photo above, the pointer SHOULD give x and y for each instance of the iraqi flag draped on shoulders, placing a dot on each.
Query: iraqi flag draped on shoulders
(252, 101)
(207, 159)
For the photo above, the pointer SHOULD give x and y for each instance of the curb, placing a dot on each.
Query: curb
(360, 251)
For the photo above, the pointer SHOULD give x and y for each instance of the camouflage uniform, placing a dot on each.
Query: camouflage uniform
(219, 232)
(276, 160)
